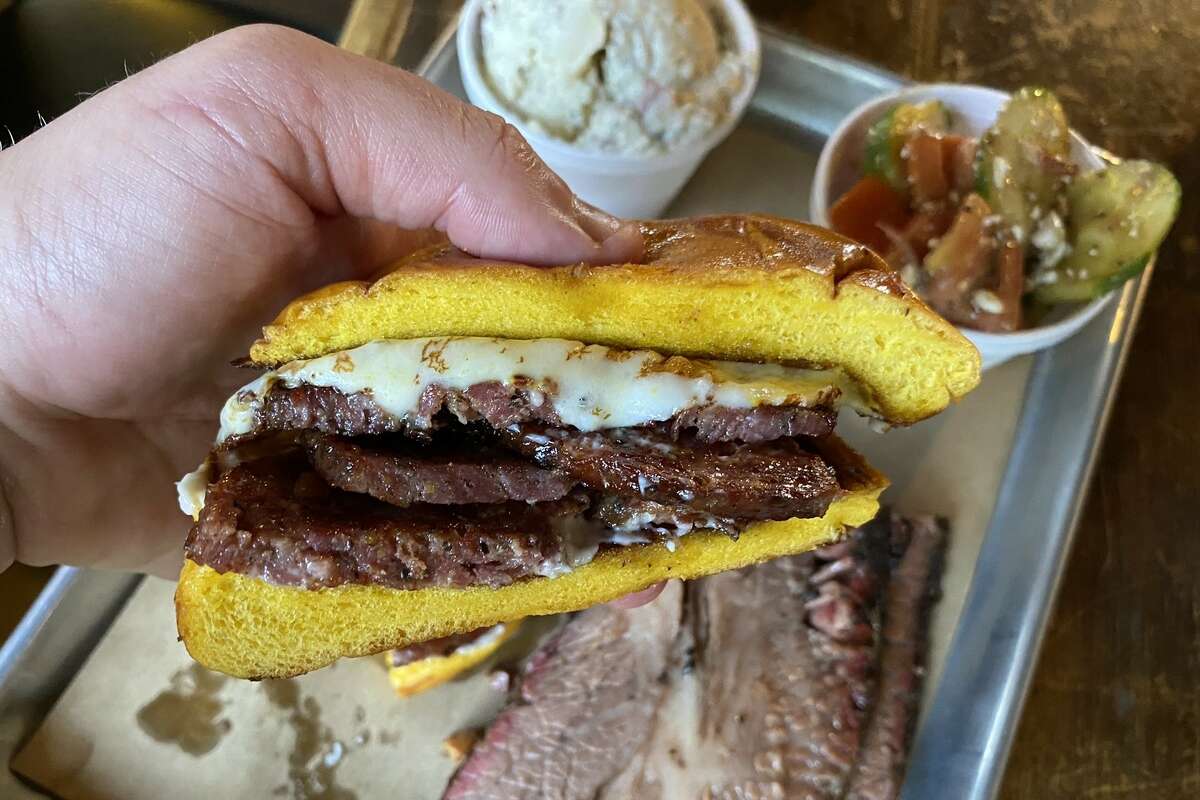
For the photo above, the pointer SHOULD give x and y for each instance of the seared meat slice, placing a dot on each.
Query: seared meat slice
(771, 480)
(329, 410)
(443, 476)
(752, 425)
(275, 519)
(646, 518)
(320, 408)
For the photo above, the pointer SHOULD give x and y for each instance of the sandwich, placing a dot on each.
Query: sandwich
(464, 442)
(422, 666)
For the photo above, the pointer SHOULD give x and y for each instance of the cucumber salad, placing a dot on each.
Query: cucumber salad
(993, 231)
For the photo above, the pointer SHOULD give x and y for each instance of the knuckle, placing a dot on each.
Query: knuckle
(506, 145)
(259, 37)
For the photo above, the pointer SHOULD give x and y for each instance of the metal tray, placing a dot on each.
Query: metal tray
(1009, 465)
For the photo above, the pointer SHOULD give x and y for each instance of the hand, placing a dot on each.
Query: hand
(148, 234)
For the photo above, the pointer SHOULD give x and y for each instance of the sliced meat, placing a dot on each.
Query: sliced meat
(644, 518)
(586, 702)
(913, 589)
(434, 647)
(771, 480)
(501, 406)
(443, 476)
(275, 519)
(321, 408)
(751, 425)
(329, 410)
(794, 678)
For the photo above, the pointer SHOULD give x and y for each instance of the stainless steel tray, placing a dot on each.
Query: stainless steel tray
(1009, 466)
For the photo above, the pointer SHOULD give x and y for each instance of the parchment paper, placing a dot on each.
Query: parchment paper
(335, 734)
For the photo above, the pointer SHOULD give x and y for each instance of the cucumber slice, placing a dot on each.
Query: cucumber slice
(1014, 174)
(1118, 217)
(886, 138)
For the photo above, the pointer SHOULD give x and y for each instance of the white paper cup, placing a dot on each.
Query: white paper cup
(627, 186)
(974, 109)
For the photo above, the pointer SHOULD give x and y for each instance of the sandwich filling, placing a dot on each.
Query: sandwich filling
(479, 462)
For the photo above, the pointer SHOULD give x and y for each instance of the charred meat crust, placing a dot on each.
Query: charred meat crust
(914, 587)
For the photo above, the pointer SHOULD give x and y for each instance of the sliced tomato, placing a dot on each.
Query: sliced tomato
(958, 154)
(868, 204)
(960, 262)
(1009, 286)
(927, 173)
(924, 227)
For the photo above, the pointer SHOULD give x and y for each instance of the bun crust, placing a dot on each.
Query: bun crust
(734, 287)
(249, 628)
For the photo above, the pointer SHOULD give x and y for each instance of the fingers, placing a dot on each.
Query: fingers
(639, 598)
(347, 133)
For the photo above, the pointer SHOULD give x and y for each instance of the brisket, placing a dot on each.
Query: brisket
(275, 519)
(406, 475)
(751, 425)
(329, 410)
(795, 678)
(770, 480)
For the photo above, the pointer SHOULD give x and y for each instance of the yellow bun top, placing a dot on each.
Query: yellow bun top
(740, 288)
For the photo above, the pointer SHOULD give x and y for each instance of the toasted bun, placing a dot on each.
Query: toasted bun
(249, 628)
(742, 288)
(427, 673)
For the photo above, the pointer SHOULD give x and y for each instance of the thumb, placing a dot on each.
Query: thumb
(352, 135)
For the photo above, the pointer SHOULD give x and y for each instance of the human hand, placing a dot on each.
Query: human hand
(148, 234)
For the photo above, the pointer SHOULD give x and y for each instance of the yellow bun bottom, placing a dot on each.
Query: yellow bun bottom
(249, 628)
(427, 673)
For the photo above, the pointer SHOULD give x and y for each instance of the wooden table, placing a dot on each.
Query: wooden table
(1115, 707)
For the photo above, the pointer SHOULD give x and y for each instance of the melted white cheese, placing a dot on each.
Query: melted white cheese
(592, 387)
(191, 489)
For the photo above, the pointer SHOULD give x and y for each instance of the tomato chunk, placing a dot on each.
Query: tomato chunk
(859, 212)
(1010, 284)
(958, 154)
(927, 172)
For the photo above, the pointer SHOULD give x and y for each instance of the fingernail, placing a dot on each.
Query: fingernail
(599, 225)
(625, 245)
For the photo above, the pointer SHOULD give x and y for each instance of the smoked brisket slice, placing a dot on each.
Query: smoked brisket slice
(795, 678)
(329, 410)
(586, 701)
(275, 519)
(752, 425)
(771, 480)
(403, 475)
